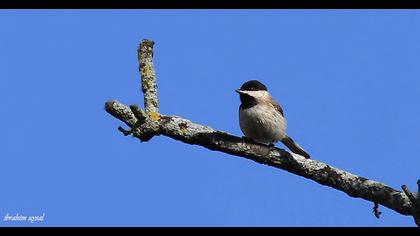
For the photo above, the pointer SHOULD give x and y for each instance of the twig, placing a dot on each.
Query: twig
(138, 113)
(376, 210)
(124, 131)
(409, 194)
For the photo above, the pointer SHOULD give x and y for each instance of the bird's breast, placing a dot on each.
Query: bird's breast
(262, 123)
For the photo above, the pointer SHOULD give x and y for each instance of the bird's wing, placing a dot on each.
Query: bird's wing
(277, 106)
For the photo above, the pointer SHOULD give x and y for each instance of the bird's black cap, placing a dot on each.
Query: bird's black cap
(253, 85)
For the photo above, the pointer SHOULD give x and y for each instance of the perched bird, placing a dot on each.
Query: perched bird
(262, 119)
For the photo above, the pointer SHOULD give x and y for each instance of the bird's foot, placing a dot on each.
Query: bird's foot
(271, 146)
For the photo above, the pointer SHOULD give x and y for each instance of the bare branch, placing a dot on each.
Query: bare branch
(148, 76)
(149, 123)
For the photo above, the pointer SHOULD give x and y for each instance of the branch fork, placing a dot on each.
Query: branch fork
(414, 202)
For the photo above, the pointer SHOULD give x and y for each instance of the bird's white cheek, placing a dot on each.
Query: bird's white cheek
(257, 94)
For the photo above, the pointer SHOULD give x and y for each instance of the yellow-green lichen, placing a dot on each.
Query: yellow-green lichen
(154, 116)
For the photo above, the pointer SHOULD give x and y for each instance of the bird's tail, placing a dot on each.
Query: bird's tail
(294, 147)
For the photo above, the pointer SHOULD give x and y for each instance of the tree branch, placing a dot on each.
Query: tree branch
(148, 76)
(145, 125)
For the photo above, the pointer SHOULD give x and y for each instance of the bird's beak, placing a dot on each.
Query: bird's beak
(239, 91)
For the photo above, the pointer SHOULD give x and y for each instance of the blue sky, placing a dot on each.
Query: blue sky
(348, 80)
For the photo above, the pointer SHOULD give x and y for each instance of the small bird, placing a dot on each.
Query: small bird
(262, 119)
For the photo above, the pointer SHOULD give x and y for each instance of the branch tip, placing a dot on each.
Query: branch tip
(108, 105)
(418, 186)
(148, 42)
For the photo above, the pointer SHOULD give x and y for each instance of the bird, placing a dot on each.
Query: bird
(261, 118)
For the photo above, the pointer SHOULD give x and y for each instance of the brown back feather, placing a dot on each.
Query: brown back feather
(277, 106)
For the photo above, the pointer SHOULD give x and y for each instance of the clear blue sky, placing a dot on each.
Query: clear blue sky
(348, 80)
